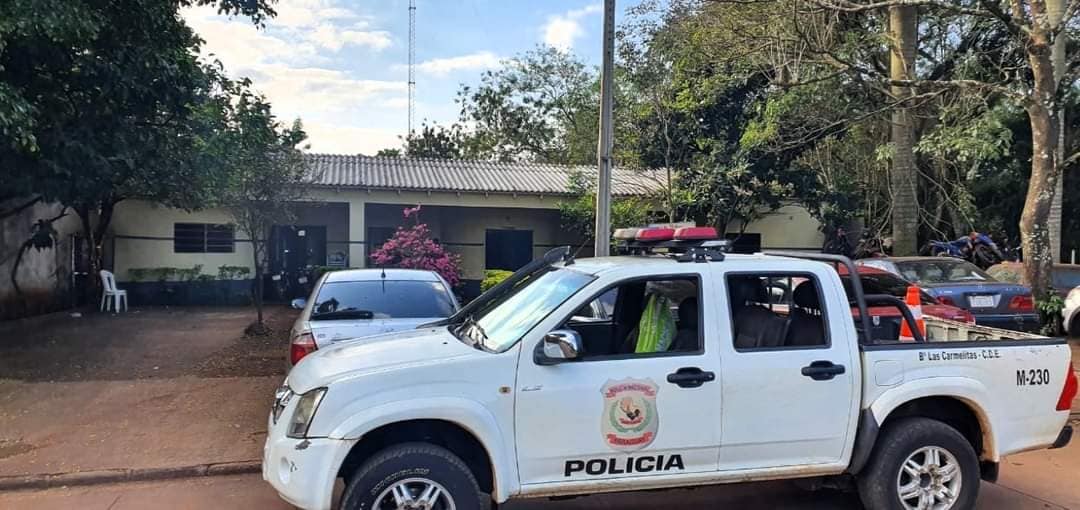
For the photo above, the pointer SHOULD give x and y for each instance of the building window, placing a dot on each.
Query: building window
(203, 238)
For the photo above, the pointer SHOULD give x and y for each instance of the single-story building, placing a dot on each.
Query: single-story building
(495, 215)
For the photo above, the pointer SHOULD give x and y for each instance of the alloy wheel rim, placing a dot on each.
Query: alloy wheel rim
(929, 479)
(415, 494)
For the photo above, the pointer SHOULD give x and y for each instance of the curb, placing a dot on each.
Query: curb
(108, 476)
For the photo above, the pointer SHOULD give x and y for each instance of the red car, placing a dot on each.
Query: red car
(886, 319)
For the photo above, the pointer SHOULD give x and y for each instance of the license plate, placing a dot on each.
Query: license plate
(981, 301)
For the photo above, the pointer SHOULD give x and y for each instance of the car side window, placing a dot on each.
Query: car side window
(641, 317)
(776, 311)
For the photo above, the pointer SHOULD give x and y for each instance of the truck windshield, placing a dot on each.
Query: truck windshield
(504, 322)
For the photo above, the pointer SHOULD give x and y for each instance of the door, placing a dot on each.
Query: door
(617, 413)
(789, 386)
(507, 249)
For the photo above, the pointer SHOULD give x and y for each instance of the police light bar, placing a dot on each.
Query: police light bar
(626, 234)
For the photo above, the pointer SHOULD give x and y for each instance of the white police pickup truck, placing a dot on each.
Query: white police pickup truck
(754, 370)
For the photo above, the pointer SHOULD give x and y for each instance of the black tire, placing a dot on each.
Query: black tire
(985, 257)
(879, 482)
(413, 461)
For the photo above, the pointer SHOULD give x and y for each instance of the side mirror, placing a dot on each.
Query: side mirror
(558, 346)
(299, 303)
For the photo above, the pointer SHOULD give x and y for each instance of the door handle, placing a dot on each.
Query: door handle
(822, 370)
(690, 377)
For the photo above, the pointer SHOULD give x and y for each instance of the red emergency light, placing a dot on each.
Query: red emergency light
(655, 234)
(695, 234)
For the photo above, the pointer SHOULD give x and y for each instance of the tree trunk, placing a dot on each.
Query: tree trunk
(903, 178)
(1034, 222)
(256, 250)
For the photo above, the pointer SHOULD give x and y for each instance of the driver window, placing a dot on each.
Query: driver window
(641, 317)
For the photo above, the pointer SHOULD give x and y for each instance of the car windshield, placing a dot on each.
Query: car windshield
(942, 271)
(382, 299)
(504, 322)
(887, 284)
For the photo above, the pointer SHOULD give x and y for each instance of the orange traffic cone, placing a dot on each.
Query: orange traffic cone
(914, 303)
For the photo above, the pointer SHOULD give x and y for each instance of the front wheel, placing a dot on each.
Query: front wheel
(414, 476)
(921, 464)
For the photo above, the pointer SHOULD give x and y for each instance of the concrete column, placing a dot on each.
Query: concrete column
(357, 233)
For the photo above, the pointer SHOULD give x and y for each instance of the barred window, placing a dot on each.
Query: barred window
(203, 238)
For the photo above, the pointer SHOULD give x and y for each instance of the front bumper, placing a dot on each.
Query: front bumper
(1028, 323)
(1063, 438)
(303, 471)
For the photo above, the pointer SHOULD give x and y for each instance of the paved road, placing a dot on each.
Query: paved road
(1045, 480)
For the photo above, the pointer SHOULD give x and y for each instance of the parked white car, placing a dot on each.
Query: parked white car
(357, 303)
(517, 397)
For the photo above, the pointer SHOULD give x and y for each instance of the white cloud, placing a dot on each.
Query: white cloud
(290, 63)
(337, 139)
(561, 30)
(333, 38)
(470, 62)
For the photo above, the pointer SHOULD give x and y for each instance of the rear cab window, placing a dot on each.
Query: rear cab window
(776, 310)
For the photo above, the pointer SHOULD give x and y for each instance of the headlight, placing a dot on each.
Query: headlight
(304, 412)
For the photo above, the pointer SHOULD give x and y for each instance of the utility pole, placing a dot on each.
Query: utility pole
(1055, 11)
(605, 142)
(412, 63)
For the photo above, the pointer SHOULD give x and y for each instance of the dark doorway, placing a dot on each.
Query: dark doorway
(507, 249)
(294, 247)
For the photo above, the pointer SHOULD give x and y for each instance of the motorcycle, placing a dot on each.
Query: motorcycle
(977, 248)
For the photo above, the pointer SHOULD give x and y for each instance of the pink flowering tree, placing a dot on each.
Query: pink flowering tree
(413, 248)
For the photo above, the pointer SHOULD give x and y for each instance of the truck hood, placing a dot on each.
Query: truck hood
(379, 353)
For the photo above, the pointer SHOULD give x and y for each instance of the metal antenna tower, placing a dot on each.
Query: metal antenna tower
(412, 62)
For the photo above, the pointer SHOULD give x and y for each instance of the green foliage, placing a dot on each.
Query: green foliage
(493, 277)
(541, 106)
(318, 271)
(388, 153)
(226, 272)
(1050, 315)
(578, 214)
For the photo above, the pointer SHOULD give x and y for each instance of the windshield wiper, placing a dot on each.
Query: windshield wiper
(347, 313)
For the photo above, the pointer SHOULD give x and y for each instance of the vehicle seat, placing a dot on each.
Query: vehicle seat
(807, 326)
(755, 325)
(686, 338)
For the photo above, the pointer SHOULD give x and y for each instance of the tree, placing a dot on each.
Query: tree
(101, 101)
(578, 214)
(267, 176)
(539, 106)
(388, 153)
(904, 176)
(413, 248)
(438, 142)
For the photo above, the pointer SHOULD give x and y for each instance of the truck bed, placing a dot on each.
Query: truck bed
(944, 330)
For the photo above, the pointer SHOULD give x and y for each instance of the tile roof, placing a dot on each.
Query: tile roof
(467, 175)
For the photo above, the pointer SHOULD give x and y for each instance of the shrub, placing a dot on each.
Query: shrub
(413, 248)
(493, 277)
(233, 272)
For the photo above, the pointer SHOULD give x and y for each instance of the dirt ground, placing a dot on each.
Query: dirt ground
(153, 388)
(144, 343)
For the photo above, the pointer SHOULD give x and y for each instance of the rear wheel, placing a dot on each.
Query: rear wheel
(921, 464)
(414, 476)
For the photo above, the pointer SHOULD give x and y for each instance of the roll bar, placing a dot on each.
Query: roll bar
(856, 286)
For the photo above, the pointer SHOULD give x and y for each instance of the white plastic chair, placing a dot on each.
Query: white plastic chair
(111, 294)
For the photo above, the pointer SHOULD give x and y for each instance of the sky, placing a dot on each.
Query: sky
(341, 65)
